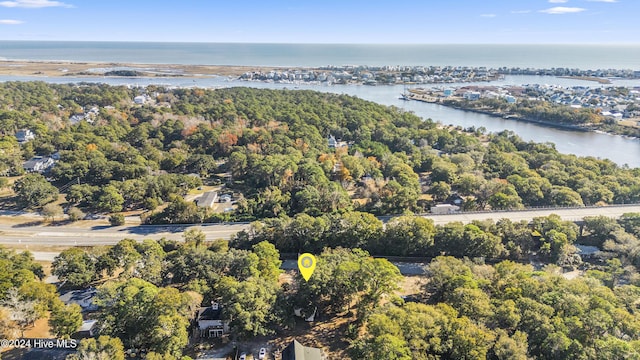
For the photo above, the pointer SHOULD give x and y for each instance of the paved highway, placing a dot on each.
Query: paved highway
(87, 235)
(571, 214)
(71, 235)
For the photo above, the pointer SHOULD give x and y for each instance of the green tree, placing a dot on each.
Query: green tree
(249, 305)
(344, 276)
(268, 261)
(407, 236)
(388, 346)
(110, 200)
(19, 270)
(194, 237)
(440, 191)
(151, 262)
(75, 267)
(52, 211)
(510, 347)
(33, 190)
(65, 320)
(145, 316)
(116, 219)
(102, 348)
(354, 230)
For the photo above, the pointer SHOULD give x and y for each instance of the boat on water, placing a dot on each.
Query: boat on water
(405, 97)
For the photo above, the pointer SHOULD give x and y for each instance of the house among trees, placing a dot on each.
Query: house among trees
(25, 135)
(335, 144)
(89, 328)
(83, 297)
(455, 199)
(208, 199)
(296, 351)
(210, 322)
(38, 164)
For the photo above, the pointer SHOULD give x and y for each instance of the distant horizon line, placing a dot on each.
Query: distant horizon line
(322, 43)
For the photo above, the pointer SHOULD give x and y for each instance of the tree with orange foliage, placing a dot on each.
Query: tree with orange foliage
(225, 141)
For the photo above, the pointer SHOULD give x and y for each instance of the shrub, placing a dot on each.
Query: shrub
(75, 214)
(116, 219)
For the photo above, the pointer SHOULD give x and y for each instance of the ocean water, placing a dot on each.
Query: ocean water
(316, 55)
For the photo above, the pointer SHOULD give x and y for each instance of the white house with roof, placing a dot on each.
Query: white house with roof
(442, 209)
(210, 322)
(335, 144)
(38, 164)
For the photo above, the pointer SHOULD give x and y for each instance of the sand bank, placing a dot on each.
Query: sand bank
(59, 68)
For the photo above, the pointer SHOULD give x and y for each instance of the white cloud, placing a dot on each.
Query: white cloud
(562, 10)
(33, 4)
(558, 1)
(520, 11)
(488, 15)
(10, 22)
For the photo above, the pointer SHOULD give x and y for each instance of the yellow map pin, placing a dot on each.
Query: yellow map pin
(306, 264)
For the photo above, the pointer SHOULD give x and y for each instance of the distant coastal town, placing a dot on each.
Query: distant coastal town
(392, 75)
(611, 109)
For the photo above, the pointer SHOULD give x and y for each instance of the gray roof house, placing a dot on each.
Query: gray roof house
(208, 199)
(296, 351)
(84, 298)
(89, 328)
(38, 164)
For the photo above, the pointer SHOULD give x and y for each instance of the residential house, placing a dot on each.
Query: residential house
(210, 322)
(39, 164)
(76, 118)
(471, 95)
(83, 297)
(335, 144)
(88, 329)
(140, 99)
(296, 351)
(442, 209)
(25, 135)
(332, 142)
(455, 199)
(208, 199)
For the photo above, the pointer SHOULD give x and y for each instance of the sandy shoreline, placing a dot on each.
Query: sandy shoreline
(97, 69)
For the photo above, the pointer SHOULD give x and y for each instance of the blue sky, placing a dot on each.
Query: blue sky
(328, 21)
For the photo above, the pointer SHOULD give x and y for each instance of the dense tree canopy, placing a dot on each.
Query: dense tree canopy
(272, 148)
(506, 311)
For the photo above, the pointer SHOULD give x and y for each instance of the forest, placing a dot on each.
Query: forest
(270, 148)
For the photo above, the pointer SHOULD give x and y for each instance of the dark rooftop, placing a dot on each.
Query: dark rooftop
(296, 351)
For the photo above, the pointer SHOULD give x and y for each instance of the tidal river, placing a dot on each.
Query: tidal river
(619, 149)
